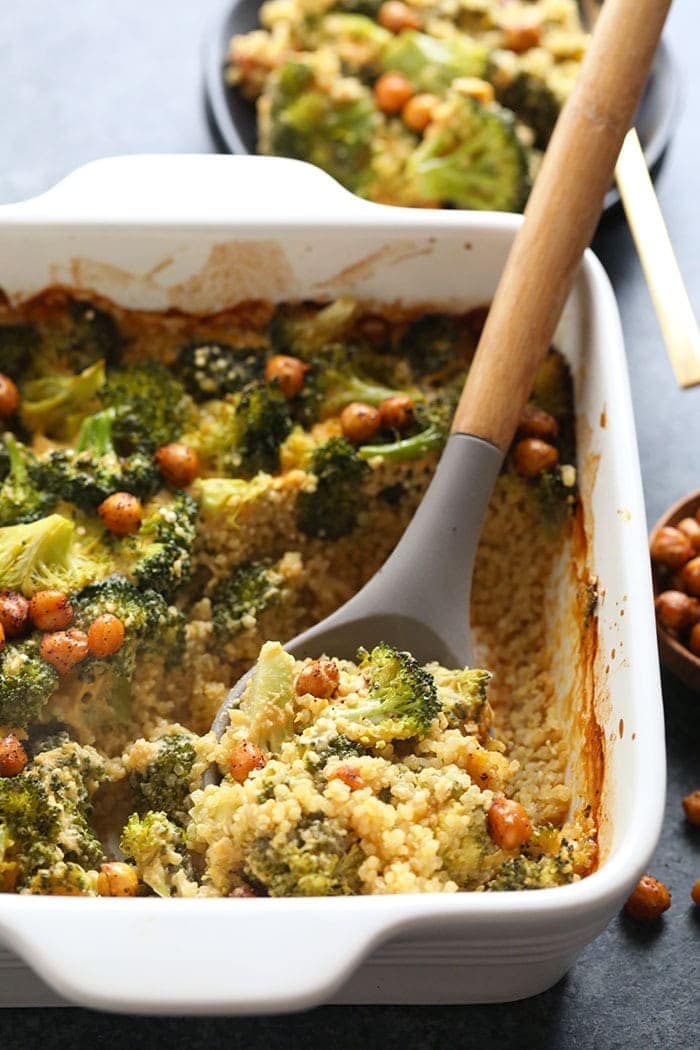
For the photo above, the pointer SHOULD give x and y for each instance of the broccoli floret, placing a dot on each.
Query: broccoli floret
(63, 879)
(303, 329)
(535, 873)
(26, 683)
(402, 700)
(29, 823)
(18, 344)
(298, 118)
(431, 64)
(260, 425)
(212, 370)
(160, 555)
(45, 816)
(269, 698)
(532, 101)
(466, 850)
(472, 158)
(227, 495)
(239, 600)
(462, 695)
(331, 383)
(81, 335)
(369, 8)
(23, 498)
(50, 554)
(432, 343)
(152, 406)
(332, 509)
(164, 785)
(157, 847)
(319, 858)
(151, 625)
(56, 404)
(92, 471)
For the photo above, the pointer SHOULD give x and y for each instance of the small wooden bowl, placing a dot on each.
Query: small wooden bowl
(684, 664)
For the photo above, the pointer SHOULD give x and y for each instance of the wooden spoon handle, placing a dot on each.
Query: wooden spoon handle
(560, 218)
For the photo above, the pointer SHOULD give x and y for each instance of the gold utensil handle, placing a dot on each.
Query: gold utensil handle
(663, 276)
(560, 218)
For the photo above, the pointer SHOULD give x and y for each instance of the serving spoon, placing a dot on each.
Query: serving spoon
(419, 599)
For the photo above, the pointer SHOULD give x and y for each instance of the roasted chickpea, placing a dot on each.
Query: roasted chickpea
(674, 609)
(691, 576)
(522, 36)
(392, 91)
(536, 423)
(395, 16)
(244, 890)
(105, 636)
(50, 610)
(244, 758)
(691, 807)
(320, 678)
(121, 513)
(289, 372)
(359, 422)
(690, 527)
(349, 776)
(14, 613)
(2, 637)
(695, 893)
(9, 396)
(670, 547)
(694, 639)
(531, 456)
(179, 464)
(13, 757)
(649, 899)
(64, 650)
(508, 823)
(397, 412)
(418, 111)
(117, 879)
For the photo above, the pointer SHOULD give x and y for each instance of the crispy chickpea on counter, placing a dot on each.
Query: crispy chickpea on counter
(691, 807)
(649, 900)
(13, 757)
(695, 892)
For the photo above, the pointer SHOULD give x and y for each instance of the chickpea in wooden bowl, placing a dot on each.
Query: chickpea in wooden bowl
(675, 557)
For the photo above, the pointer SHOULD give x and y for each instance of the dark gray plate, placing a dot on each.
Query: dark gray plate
(232, 117)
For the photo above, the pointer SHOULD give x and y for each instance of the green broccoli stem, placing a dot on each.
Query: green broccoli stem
(342, 390)
(95, 434)
(414, 447)
(18, 464)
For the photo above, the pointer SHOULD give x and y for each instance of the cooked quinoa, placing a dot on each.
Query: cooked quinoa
(292, 505)
(425, 103)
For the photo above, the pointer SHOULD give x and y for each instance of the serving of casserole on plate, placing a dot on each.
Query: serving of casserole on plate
(575, 691)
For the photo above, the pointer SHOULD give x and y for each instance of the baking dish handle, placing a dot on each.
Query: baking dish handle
(193, 188)
(105, 953)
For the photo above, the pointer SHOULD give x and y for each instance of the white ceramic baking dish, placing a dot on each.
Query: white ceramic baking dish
(198, 234)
